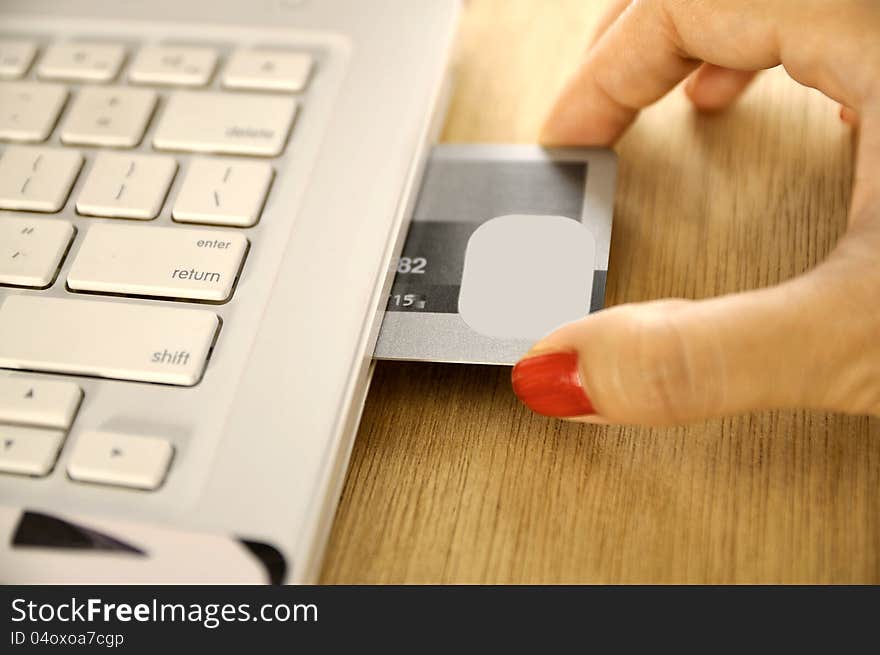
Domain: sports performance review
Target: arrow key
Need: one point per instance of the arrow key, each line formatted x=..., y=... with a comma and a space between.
x=28, y=451
x=36, y=402
x=120, y=459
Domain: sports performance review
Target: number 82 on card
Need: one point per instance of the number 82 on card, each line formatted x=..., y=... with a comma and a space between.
x=412, y=265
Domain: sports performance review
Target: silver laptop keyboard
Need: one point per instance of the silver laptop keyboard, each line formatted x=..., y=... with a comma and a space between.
x=125, y=118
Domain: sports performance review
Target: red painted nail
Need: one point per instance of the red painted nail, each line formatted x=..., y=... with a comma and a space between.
x=551, y=385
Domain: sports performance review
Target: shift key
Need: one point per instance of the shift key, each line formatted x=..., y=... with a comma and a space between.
x=159, y=262
x=101, y=338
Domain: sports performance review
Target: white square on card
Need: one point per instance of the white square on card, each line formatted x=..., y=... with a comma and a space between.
x=525, y=275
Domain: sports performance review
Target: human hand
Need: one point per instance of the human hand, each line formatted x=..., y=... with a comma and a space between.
x=813, y=341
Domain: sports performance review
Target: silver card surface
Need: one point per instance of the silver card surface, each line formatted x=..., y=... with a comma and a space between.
x=506, y=243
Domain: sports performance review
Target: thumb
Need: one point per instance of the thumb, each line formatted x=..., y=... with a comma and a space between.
x=673, y=361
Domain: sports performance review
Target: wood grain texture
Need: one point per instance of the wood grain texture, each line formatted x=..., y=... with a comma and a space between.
x=453, y=481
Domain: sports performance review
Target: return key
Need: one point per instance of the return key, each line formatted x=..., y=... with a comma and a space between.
x=158, y=262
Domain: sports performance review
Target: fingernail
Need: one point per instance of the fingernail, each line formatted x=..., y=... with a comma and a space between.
x=550, y=384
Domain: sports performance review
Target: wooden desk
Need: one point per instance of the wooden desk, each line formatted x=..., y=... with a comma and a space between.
x=453, y=481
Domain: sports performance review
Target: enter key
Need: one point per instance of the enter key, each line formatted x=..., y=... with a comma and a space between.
x=158, y=262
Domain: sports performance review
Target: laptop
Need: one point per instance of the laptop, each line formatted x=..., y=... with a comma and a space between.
x=200, y=204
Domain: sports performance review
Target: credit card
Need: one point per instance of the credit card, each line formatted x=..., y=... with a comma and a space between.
x=506, y=243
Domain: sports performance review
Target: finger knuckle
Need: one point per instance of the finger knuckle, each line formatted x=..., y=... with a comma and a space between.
x=846, y=350
x=664, y=374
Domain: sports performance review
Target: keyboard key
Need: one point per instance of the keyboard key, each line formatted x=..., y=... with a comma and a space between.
x=31, y=251
x=36, y=402
x=29, y=110
x=120, y=459
x=37, y=179
x=16, y=56
x=28, y=451
x=126, y=186
x=173, y=65
x=223, y=192
x=89, y=62
x=124, y=341
x=113, y=116
x=267, y=70
x=225, y=123
x=164, y=262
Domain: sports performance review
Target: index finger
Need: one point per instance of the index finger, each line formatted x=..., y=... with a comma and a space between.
x=655, y=44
